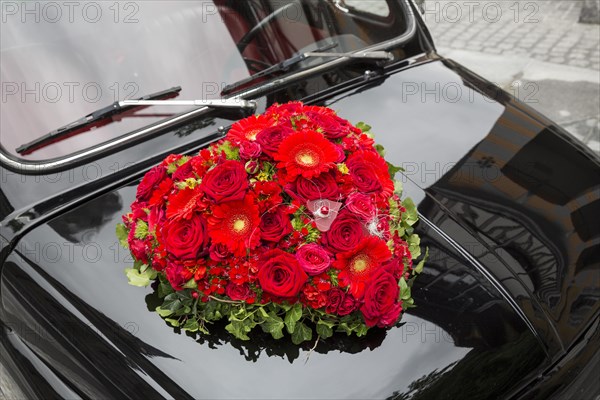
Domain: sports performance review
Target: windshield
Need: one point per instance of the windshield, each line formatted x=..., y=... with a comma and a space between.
x=63, y=60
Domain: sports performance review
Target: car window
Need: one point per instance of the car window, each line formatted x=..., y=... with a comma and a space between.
x=63, y=60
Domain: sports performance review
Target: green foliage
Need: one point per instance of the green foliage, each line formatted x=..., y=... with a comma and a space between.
x=292, y=316
x=363, y=127
x=138, y=278
x=171, y=168
x=392, y=169
x=301, y=333
x=122, y=233
x=421, y=264
x=231, y=152
x=381, y=151
x=413, y=245
x=141, y=230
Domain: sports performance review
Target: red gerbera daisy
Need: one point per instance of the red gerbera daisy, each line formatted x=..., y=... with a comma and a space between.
x=358, y=265
x=247, y=128
x=306, y=153
x=235, y=224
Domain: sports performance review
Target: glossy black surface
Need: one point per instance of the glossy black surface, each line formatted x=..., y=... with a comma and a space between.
x=507, y=305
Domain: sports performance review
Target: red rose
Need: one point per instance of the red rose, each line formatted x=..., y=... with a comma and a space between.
x=249, y=150
x=380, y=305
x=364, y=176
x=313, y=259
x=361, y=205
x=149, y=182
x=280, y=274
x=348, y=305
x=334, y=298
x=219, y=252
x=320, y=187
x=185, y=239
x=270, y=138
x=340, y=302
x=345, y=232
x=333, y=126
x=238, y=292
x=370, y=174
x=275, y=225
x=226, y=182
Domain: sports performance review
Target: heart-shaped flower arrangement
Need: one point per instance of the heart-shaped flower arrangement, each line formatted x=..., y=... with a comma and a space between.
x=291, y=222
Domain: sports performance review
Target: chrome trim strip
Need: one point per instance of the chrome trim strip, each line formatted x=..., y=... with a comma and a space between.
x=58, y=164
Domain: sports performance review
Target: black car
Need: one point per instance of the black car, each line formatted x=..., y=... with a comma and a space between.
x=507, y=305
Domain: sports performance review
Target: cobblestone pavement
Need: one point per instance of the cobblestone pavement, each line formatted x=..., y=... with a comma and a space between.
x=535, y=49
x=543, y=30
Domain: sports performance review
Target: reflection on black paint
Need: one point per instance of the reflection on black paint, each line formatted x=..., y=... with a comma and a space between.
x=77, y=226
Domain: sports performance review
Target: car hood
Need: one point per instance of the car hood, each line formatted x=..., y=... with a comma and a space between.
x=488, y=315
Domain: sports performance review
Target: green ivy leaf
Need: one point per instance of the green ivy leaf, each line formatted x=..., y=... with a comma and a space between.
x=363, y=127
x=172, y=303
x=380, y=149
x=361, y=330
x=419, y=268
x=191, y=284
x=392, y=169
x=164, y=289
x=238, y=329
x=191, y=325
x=301, y=333
x=163, y=313
x=292, y=316
x=274, y=326
x=404, y=290
x=324, y=330
x=141, y=279
x=174, y=322
x=122, y=234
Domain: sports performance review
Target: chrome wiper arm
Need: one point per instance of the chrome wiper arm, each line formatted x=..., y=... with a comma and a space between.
x=377, y=55
x=235, y=103
x=118, y=107
x=285, y=65
x=279, y=67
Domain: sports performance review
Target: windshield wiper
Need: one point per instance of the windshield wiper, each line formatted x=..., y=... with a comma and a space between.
x=285, y=65
x=75, y=127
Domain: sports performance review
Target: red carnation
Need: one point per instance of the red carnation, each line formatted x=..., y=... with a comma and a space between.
x=226, y=182
x=380, y=306
x=358, y=265
x=306, y=153
x=235, y=224
x=280, y=275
